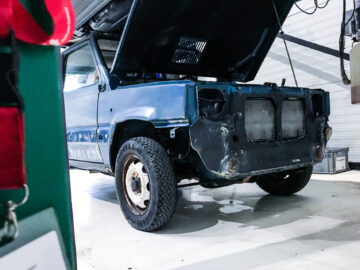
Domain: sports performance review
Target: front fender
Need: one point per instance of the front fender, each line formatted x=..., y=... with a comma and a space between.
x=163, y=104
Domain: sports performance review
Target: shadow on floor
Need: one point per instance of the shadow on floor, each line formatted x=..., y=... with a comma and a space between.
x=192, y=216
x=105, y=191
x=199, y=208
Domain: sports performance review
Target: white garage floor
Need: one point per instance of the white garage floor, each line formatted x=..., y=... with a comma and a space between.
x=237, y=227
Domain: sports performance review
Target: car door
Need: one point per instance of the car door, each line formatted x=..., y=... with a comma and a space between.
x=81, y=93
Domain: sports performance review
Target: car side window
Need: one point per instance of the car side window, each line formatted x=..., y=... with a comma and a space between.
x=80, y=69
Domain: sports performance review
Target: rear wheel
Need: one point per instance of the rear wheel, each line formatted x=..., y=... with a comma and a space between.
x=285, y=183
x=145, y=184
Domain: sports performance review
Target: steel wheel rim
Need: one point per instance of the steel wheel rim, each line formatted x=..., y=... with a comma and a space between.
x=136, y=185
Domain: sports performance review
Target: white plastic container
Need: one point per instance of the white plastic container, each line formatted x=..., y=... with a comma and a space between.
x=335, y=161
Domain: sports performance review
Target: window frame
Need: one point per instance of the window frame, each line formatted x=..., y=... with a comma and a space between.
x=73, y=49
x=101, y=56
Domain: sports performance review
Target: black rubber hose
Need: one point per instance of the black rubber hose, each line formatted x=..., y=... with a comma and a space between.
x=344, y=76
x=306, y=12
x=324, y=6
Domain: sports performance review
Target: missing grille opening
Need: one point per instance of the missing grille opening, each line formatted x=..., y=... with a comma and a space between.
x=259, y=120
x=293, y=119
x=211, y=102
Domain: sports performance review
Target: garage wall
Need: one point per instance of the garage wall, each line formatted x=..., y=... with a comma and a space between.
x=315, y=69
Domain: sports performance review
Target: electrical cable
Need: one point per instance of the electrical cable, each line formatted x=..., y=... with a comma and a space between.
x=286, y=47
x=316, y=7
x=352, y=15
x=324, y=6
x=306, y=12
x=345, y=79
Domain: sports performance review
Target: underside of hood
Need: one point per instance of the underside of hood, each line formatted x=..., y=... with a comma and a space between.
x=226, y=39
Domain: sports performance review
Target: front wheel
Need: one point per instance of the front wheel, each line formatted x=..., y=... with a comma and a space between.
x=145, y=184
x=285, y=183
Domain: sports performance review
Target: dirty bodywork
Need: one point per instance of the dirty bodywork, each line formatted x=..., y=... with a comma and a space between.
x=245, y=130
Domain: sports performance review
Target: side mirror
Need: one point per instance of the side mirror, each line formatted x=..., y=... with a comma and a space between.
x=102, y=87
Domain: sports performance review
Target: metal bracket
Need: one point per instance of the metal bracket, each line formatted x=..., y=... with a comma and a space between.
x=173, y=133
x=11, y=226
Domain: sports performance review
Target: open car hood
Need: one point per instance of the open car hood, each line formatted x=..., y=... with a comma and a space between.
x=86, y=9
x=226, y=39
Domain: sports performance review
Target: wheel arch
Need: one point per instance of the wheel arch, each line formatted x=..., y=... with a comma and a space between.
x=126, y=130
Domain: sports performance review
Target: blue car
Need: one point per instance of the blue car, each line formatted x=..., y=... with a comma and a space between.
x=140, y=104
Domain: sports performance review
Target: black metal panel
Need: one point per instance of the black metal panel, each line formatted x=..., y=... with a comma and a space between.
x=224, y=39
x=221, y=141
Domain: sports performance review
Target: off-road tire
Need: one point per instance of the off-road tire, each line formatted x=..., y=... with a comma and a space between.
x=285, y=183
x=162, y=184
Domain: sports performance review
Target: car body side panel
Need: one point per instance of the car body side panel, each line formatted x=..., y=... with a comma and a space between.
x=81, y=114
x=81, y=124
x=163, y=104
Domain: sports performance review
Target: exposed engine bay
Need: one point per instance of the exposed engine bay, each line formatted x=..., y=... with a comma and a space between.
x=251, y=130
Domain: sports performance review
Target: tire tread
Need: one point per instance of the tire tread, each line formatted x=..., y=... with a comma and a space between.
x=160, y=161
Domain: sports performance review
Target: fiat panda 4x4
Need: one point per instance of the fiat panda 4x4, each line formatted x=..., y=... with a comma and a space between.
x=137, y=107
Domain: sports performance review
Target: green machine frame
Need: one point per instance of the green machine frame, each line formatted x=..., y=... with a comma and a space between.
x=46, y=161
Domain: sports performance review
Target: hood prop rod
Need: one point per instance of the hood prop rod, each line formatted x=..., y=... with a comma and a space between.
x=286, y=47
